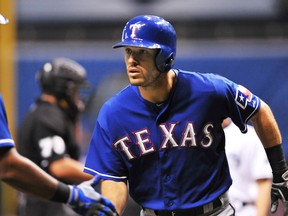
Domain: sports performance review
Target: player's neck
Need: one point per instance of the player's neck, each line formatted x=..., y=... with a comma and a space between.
x=48, y=98
x=159, y=93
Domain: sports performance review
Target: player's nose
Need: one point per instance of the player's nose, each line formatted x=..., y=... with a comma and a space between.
x=133, y=59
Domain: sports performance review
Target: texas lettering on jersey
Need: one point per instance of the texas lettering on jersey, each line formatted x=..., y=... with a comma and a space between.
x=145, y=145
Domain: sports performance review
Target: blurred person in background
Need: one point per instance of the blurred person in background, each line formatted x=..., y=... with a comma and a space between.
x=25, y=176
x=48, y=133
x=250, y=171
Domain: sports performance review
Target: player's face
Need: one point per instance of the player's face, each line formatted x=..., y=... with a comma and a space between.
x=140, y=66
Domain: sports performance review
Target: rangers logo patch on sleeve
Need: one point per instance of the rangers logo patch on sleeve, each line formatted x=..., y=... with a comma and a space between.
x=243, y=97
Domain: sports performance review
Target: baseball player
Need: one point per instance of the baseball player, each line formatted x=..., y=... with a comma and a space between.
x=162, y=138
x=250, y=191
x=22, y=174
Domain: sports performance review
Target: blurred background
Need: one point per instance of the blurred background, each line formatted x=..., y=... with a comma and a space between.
x=246, y=41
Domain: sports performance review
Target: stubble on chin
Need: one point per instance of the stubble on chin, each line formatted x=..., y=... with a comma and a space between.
x=134, y=82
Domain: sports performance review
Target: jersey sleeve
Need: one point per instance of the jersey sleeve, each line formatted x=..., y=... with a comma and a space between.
x=5, y=136
x=102, y=158
x=242, y=104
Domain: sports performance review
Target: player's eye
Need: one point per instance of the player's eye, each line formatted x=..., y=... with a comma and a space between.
x=128, y=51
x=143, y=52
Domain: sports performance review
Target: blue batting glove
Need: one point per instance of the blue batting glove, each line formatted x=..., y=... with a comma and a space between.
x=86, y=201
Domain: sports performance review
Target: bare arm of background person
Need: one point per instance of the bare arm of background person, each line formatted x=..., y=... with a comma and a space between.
x=116, y=192
x=69, y=170
x=263, y=199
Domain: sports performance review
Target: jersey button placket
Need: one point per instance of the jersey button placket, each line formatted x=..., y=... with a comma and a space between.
x=170, y=203
x=167, y=178
x=168, y=191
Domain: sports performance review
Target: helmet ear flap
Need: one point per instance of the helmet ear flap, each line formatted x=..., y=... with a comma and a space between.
x=164, y=65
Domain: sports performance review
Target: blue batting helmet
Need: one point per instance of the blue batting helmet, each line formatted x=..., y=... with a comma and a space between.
x=151, y=32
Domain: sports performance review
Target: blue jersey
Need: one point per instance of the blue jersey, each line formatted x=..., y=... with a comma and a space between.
x=172, y=154
x=5, y=136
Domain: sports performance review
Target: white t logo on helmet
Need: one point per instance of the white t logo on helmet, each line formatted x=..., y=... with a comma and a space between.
x=135, y=27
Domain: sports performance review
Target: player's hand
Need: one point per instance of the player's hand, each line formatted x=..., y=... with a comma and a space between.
x=84, y=198
x=279, y=191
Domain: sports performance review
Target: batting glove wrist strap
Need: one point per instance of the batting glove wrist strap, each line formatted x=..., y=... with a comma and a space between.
x=85, y=200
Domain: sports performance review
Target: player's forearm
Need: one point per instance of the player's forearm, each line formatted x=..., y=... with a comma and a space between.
x=117, y=193
x=267, y=129
x=266, y=126
x=27, y=177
